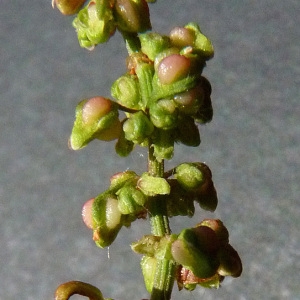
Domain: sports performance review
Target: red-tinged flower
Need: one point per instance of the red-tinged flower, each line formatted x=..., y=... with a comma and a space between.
x=68, y=7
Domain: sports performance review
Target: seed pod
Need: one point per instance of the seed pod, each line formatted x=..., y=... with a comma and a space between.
x=219, y=228
x=207, y=239
x=230, y=262
x=68, y=7
x=132, y=15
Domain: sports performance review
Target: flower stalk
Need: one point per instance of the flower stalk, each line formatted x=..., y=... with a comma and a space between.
x=164, y=98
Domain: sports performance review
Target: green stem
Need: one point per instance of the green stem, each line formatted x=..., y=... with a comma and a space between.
x=164, y=277
x=132, y=41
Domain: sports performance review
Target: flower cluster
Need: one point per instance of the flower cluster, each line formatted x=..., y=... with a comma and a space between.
x=127, y=199
x=163, y=94
x=202, y=254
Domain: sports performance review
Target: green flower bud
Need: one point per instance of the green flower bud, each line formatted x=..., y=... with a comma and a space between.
x=148, y=265
x=94, y=24
x=152, y=186
x=185, y=254
x=230, y=262
x=68, y=7
x=127, y=92
x=130, y=200
x=164, y=114
x=107, y=219
x=119, y=179
x=153, y=43
x=173, y=68
x=188, y=132
x=137, y=128
x=190, y=176
x=163, y=144
x=123, y=147
x=132, y=15
x=95, y=118
x=202, y=44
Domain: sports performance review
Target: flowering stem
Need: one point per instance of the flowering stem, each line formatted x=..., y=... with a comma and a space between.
x=165, y=269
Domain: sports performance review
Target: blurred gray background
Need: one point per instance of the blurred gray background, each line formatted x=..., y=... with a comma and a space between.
x=252, y=146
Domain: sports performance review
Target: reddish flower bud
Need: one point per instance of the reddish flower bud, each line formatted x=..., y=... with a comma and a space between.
x=173, y=68
x=132, y=15
x=219, y=228
x=182, y=37
x=207, y=239
x=230, y=262
x=95, y=108
x=68, y=7
x=87, y=213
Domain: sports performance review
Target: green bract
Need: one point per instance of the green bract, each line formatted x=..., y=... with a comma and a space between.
x=185, y=251
x=137, y=127
x=152, y=44
x=202, y=44
x=127, y=91
x=130, y=200
x=152, y=186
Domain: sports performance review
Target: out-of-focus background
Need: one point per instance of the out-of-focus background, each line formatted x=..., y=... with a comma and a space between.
x=252, y=147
